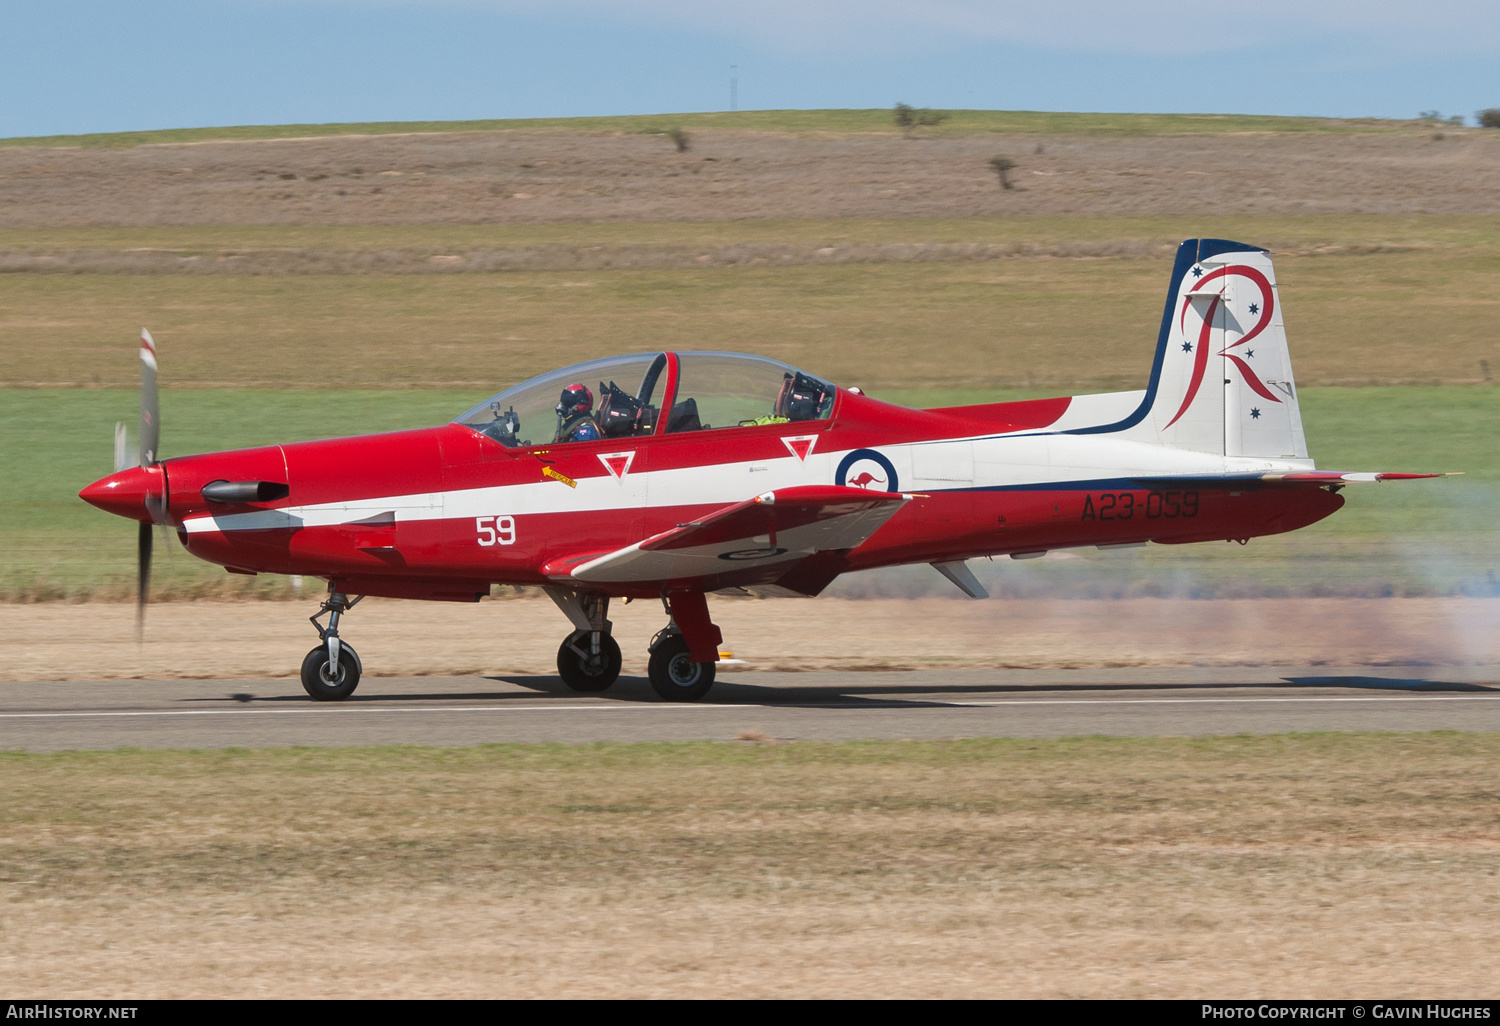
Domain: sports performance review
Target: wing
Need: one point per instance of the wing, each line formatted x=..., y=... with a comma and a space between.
x=756, y=540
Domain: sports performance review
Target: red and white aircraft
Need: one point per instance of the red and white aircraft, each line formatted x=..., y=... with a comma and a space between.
x=701, y=472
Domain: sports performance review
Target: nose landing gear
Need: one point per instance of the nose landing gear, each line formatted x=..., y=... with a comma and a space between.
x=589, y=659
x=330, y=672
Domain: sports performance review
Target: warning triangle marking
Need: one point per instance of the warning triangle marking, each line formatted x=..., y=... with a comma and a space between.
x=617, y=463
x=801, y=446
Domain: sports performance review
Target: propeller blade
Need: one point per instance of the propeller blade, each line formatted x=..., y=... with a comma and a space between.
x=122, y=444
x=150, y=436
x=143, y=584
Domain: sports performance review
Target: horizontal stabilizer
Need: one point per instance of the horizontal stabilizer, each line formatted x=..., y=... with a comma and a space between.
x=777, y=529
x=1363, y=477
x=1305, y=477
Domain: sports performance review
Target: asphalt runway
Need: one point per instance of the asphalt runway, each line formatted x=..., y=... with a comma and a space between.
x=833, y=706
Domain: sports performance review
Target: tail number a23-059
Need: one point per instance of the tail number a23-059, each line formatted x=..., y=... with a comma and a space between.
x=496, y=530
x=1127, y=505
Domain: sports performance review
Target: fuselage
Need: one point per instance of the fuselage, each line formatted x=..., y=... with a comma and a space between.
x=444, y=513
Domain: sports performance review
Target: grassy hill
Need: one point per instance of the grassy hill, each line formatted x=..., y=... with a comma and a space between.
x=957, y=122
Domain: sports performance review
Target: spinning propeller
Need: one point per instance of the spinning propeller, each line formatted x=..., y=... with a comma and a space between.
x=138, y=492
x=155, y=498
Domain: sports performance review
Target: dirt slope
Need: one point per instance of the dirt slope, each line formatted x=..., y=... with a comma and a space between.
x=510, y=177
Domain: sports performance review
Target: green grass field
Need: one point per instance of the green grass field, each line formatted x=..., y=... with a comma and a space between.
x=958, y=122
x=1416, y=538
x=1366, y=302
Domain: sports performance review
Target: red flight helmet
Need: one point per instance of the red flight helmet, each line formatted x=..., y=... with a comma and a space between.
x=575, y=398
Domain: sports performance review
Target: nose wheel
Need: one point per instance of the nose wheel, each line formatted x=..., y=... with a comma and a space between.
x=330, y=672
x=327, y=682
x=589, y=660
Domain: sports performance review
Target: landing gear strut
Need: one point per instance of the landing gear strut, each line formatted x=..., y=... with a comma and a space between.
x=589, y=659
x=330, y=672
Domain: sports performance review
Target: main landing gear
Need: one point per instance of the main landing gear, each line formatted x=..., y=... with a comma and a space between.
x=674, y=675
x=684, y=653
x=681, y=668
x=330, y=672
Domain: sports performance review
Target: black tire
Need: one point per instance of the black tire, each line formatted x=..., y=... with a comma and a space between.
x=588, y=672
x=674, y=675
x=326, y=687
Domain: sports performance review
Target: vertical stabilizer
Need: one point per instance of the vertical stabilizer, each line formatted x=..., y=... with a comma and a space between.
x=1223, y=377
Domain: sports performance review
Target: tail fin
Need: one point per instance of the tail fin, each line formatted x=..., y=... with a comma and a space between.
x=1222, y=379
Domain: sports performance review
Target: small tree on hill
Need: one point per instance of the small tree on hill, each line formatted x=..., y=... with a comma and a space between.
x=680, y=138
x=1003, y=167
x=909, y=119
x=1489, y=118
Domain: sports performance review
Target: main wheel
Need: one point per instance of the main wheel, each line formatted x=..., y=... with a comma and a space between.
x=324, y=685
x=674, y=675
x=581, y=669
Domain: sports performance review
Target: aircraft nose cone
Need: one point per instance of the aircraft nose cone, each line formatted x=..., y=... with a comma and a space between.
x=125, y=493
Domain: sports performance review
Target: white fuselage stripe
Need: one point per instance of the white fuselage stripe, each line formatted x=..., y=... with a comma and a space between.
x=984, y=462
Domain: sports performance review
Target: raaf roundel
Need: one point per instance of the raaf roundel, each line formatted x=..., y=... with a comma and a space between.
x=707, y=472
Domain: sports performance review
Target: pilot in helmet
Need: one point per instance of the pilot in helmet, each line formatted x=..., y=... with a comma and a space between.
x=803, y=397
x=575, y=421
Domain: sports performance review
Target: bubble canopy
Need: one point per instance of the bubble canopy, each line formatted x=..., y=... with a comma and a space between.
x=698, y=391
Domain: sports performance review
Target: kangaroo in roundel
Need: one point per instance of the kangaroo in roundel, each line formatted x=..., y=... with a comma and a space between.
x=865, y=479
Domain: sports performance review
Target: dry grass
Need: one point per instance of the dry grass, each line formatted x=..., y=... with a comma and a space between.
x=57, y=641
x=1058, y=235
x=1420, y=316
x=434, y=260
x=1313, y=866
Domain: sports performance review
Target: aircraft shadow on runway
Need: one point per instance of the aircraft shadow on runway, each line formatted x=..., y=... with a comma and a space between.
x=885, y=695
x=873, y=696
x=1386, y=683
x=637, y=689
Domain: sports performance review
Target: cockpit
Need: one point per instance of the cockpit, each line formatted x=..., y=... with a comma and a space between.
x=651, y=394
